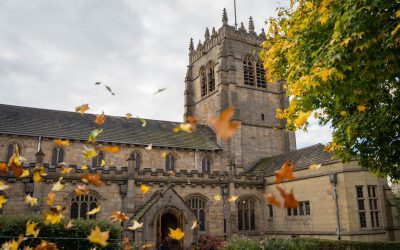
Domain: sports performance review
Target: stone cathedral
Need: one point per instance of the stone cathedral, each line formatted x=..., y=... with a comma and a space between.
x=337, y=201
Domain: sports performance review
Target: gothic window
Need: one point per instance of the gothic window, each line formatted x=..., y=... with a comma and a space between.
x=211, y=77
x=169, y=162
x=198, y=206
x=246, y=214
x=203, y=80
x=58, y=156
x=96, y=161
x=261, y=81
x=82, y=204
x=11, y=149
x=248, y=71
x=206, y=164
x=135, y=160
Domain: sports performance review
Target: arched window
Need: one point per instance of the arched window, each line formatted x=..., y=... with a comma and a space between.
x=261, y=81
x=11, y=149
x=198, y=206
x=58, y=156
x=211, y=77
x=135, y=160
x=96, y=161
x=203, y=80
x=206, y=164
x=246, y=214
x=82, y=204
x=248, y=71
x=169, y=162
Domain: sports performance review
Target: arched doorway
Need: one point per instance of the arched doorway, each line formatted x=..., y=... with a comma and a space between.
x=168, y=220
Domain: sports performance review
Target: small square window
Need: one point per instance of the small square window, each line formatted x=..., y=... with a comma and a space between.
x=262, y=117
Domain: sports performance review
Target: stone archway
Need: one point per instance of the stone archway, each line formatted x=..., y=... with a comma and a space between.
x=170, y=218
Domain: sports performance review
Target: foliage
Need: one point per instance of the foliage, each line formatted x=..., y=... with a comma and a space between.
x=340, y=60
x=209, y=243
x=241, y=243
x=13, y=226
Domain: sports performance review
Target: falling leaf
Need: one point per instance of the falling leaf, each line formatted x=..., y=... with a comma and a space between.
x=272, y=200
x=81, y=190
x=148, y=245
x=94, y=211
x=93, y=134
x=361, y=108
x=69, y=225
x=187, y=127
x=109, y=90
x=343, y=113
x=45, y=245
x=171, y=173
x=30, y=200
x=136, y=225
x=53, y=216
x=66, y=170
x=217, y=197
x=93, y=179
x=13, y=244
x=38, y=173
x=159, y=91
x=194, y=224
x=288, y=198
x=99, y=237
x=144, y=188
x=284, y=173
x=100, y=119
x=142, y=121
x=3, y=186
x=50, y=198
x=118, y=216
x=315, y=166
x=176, y=234
x=3, y=168
x=61, y=142
x=30, y=229
x=103, y=163
x=223, y=125
x=25, y=173
x=58, y=186
x=97, y=83
x=89, y=153
x=82, y=109
x=2, y=200
x=16, y=162
x=233, y=198
x=111, y=149
x=149, y=147
x=84, y=167
x=128, y=116
x=164, y=154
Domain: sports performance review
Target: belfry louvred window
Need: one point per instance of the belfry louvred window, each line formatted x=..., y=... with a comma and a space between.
x=211, y=77
x=260, y=71
x=203, y=80
x=248, y=71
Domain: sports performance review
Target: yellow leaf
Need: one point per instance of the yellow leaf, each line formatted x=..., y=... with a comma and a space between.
x=142, y=121
x=99, y=237
x=13, y=244
x=30, y=200
x=45, y=245
x=81, y=190
x=94, y=211
x=309, y=5
x=148, y=245
x=343, y=113
x=361, y=108
x=398, y=14
x=69, y=225
x=223, y=125
x=50, y=198
x=176, y=234
x=100, y=119
x=65, y=170
x=2, y=200
x=84, y=167
x=144, y=188
x=118, y=216
x=314, y=166
x=82, y=109
x=112, y=149
x=164, y=154
x=233, y=198
x=302, y=118
x=38, y=172
x=30, y=229
x=103, y=163
x=25, y=173
x=3, y=186
x=194, y=224
x=93, y=134
x=61, y=142
x=58, y=186
x=324, y=19
x=53, y=216
x=128, y=115
x=89, y=153
x=136, y=225
x=217, y=197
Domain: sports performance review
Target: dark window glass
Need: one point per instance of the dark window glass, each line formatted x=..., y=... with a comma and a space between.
x=359, y=192
x=377, y=218
x=289, y=212
x=261, y=81
x=301, y=208
x=246, y=214
x=57, y=156
x=262, y=117
x=211, y=78
x=248, y=72
x=271, y=210
x=308, y=209
x=295, y=212
x=169, y=162
x=206, y=164
x=361, y=205
x=82, y=204
x=363, y=221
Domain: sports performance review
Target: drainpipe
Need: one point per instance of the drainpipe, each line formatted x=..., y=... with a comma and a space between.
x=333, y=181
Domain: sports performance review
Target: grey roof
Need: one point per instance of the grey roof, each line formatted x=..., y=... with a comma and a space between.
x=16, y=120
x=303, y=158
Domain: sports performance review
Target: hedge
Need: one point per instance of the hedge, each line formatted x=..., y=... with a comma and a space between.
x=74, y=238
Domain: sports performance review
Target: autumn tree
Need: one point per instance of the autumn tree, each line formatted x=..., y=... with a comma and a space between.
x=340, y=60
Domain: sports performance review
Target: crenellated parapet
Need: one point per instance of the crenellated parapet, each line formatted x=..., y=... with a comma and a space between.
x=225, y=32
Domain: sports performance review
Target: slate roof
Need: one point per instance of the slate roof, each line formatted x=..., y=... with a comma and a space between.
x=303, y=158
x=16, y=120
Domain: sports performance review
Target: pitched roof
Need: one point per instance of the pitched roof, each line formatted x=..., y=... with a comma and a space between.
x=16, y=120
x=303, y=158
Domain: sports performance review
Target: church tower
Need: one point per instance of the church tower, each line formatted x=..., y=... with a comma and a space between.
x=224, y=70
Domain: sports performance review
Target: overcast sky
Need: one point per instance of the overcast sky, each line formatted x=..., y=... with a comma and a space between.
x=52, y=53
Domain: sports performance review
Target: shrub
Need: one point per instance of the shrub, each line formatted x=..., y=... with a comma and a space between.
x=241, y=243
x=209, y=243
x=73, y=238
